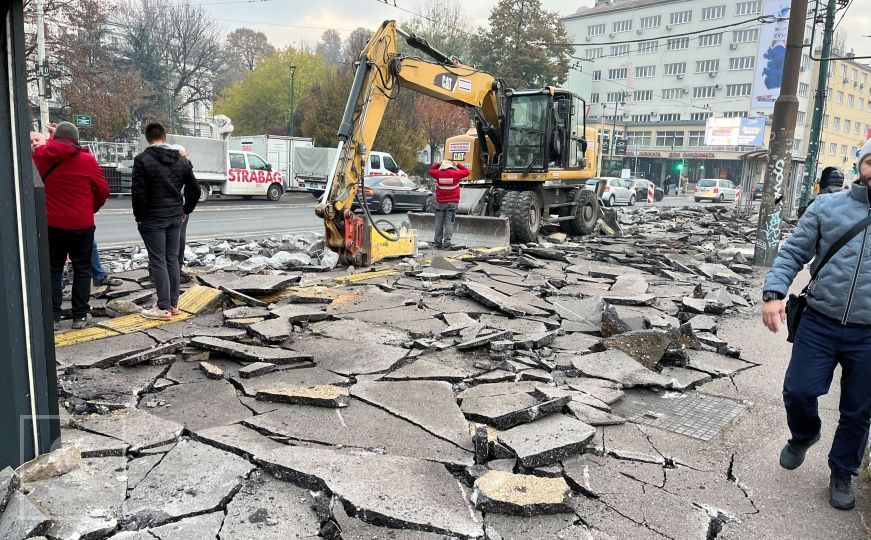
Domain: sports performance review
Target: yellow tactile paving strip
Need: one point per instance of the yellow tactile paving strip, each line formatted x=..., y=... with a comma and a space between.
x=80, y=336
x=365, y=276
x=134, y=323
x=197, y=298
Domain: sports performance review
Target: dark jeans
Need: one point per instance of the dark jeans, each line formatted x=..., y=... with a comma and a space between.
x=98, y=273
x=77, y=245
x=161, y=240
x=820, y=345
x=182, y=239
x=444, y=222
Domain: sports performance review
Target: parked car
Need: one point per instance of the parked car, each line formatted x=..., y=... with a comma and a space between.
x=617, y=190
x=715, y=190
x=386, y=194
x=757, y=191
x=641, y=184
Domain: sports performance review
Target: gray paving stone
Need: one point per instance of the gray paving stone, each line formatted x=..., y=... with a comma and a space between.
x=547, y=440
x=291, y=378
x=271, y=330
x=518, y=494
x=202, y=526
x=85, y=502
x=428, y=404
x=402, y=492
x=139, y=429
x=102, y=352
x=360, y=425
x=193, y=478
x=23, y=519
x=269, y=509
x=237, y=439
x=111, y=388
x=619, y=367
x=201, y=405
x=251, y=353
x=645, y=346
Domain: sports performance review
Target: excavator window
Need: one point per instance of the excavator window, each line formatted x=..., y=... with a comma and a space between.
x=527, y=137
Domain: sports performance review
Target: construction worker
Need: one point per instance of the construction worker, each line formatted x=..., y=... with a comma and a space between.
x=447, y=175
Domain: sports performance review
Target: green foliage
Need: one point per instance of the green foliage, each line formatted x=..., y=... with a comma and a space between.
x=260, y=102
x=525, y=45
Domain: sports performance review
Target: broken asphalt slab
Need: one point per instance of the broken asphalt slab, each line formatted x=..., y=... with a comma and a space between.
x=619, y=367
x=549, y=439
x=251, y=353
x=507, y=493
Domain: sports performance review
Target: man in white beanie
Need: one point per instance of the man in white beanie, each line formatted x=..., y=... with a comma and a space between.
x=835, y=328
x=447, y=175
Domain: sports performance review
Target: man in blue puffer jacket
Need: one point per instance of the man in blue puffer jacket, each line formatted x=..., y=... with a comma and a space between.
x=835, y=329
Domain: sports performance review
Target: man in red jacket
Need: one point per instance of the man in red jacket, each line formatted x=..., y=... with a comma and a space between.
x=447, y=175
x=75, y=189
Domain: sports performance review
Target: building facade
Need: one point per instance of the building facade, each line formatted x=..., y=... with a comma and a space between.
x=654, y=71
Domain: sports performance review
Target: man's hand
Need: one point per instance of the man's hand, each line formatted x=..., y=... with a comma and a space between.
x=51, y=127
x=184, y=217
x=774, y=314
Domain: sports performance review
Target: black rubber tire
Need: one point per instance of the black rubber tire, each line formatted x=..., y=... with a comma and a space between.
x=586, y=217
x=247, y=197
x=205, y=191
x=611, y=201
x=274, y=192
x=658, y=195
x=632, y=200
x=524, y=215
x=698, y=200
x=430, y=205
x=386, y=205
x=721, y=198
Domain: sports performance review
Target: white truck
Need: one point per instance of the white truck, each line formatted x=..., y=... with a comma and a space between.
x=279, y=151
x=221, y=170
x=312, y=166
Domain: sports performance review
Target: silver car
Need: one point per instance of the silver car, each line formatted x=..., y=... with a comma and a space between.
x=617, y=190
x=715, y=190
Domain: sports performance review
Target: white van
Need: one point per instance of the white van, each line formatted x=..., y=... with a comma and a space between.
x=383, y=164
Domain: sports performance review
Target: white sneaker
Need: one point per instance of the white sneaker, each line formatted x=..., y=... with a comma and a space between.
x=157, y=314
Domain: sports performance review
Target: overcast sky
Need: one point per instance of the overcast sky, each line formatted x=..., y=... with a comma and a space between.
x=288, y=22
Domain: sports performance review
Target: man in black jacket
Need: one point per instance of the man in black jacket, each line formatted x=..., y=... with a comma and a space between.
x=159, y=174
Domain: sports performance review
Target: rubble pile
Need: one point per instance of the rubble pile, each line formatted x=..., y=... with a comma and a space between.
x=485, y=396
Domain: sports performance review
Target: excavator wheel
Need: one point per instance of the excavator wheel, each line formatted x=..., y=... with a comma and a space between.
x=524, y=215
x=587, y=215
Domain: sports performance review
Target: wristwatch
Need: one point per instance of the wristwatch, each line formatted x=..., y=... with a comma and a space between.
x=767, y=296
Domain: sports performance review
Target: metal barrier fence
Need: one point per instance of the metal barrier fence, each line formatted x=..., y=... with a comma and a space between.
x=112, y=153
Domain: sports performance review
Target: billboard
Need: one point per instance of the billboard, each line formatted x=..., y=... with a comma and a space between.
x=771, y=56
x=735, y=132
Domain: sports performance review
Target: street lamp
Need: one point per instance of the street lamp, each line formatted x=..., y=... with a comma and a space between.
x=290, y=128
x=622, y=102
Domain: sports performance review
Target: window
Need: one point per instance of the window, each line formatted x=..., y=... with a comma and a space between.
x=800, y=117
x=614, y=97
x=735, y=114
x=833, y=149
x=597, y=75
x=677, y=44
x=647, y=47
x=638, y=118
x=861, y=104
x=390, y=165
x=805, y=62
x=670, y=117
x=843, y=149
x=836, y=123
x=854, y=75
x=864, y=78
x=671, y=93
x=843, y=71
x=594, y=98
x=737, y=90
x=638, y=138
x=804, y=89
x=696, y=138
x=651, y=22
x=592, y=54
x=618, y=73
x=669, y=138
x=643, y=72
x=642, y=95
x=681, y=17
x=701, y=115
x=595, y=30
x=620, y=50
x=851, y=101
x=710, y=40
x=375, y=161
x=622, y=26
x=840, y=97
x=707, y=66
x=256, y=164
x=711, y=13
x=747, y=8
x=742, y=63
x=857, y=127
x=676, y=69
x=847, y=125
x=797, y=143
x=745, y=36
x=237, y=161
x=826, y=121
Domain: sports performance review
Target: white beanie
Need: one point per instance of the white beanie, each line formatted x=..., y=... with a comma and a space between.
x=864, y=152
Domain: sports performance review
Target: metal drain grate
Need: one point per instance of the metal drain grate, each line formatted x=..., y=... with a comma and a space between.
x=695, y=415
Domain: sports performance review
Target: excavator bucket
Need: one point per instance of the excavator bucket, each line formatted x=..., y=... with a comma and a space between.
x=469, y=231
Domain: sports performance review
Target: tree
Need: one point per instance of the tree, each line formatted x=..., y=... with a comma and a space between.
x=330, y=47
x=260, y=102
x=355, y=43
x=525, y=45
x=443, y=24
x=438, y=121
x=250, y=46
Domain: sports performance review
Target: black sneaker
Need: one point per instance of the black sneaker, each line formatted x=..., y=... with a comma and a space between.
x=792, y=455
x=83, y=322
x=108, y=281
x=184, y=277
x=841, y=492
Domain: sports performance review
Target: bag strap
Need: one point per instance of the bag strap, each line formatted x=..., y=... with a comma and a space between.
x=842, y=241
x=50, y=170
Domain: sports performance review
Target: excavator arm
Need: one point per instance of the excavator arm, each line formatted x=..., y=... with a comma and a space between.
x=380, y=73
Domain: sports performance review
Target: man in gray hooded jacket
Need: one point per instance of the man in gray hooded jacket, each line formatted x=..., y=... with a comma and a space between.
x=835, y=329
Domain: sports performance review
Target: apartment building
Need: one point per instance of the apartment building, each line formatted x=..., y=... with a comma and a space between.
x=654, y=71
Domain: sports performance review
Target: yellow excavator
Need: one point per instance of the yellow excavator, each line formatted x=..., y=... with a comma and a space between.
x=529, y=153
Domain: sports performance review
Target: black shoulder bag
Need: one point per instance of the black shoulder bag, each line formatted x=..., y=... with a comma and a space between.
x=797, y=303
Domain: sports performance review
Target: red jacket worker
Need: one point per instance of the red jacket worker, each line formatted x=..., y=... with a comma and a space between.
x=447, y=175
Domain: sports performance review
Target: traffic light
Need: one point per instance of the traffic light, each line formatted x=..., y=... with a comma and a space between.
x=855, y=170
x=678, y=167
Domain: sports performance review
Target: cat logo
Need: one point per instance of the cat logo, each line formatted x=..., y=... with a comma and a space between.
x=445, y=81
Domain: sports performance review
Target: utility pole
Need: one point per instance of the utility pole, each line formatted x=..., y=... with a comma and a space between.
x=614, y=130
x=290, y=128
x=41, y=66
x=813, y=149
x=780, y=145
x=599, y=156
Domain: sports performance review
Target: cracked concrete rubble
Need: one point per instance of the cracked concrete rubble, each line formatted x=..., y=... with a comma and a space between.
x=481, y=397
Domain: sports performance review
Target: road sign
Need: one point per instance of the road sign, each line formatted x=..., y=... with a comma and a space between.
x=42, y=71
x=625, y=173
x=83, y=120
x=620, y=147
